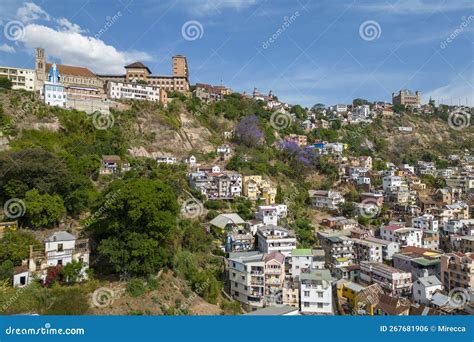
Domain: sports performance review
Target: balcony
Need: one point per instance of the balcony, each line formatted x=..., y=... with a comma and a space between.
x=273, y=271
x=256, y=282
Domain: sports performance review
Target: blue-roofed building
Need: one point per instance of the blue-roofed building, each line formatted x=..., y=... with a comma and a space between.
x=54, y=93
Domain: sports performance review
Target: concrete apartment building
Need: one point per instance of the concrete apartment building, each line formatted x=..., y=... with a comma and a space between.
x=316, y=292
x=275, y=239
x=247, y=279
x=274, y=277
x=139, y=72
x=304, y=260
x=389, y=248
x=21, y=78
x=425, y=222
x=136, y=91
x=339, y=250
x=403, y=236
x=367, y=251
x=406, y=97
x=457, y=270
x=258, y=280
x=396, y=282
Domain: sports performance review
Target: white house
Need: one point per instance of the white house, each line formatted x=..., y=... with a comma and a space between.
x=389, y=248
x=316, y=292
x=272, y=238
x=325, y=199
x=305, y=259
x=402, y=235
x=390, y=182
x=425, y=222
x=133, y=91
x=60, y=249
x=368, y=250
x=165, y=159
x=424, y=288
x=271, y=214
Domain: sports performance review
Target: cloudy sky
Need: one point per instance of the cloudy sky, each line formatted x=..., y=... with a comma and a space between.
x=307, y=52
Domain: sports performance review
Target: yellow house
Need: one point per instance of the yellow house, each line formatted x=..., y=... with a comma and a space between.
x=255, y=187
x=363, y=300
x=269, y=194
x=349, y=291
x=250, y=187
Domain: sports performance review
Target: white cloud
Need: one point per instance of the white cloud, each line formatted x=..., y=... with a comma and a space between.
x=7, y=48
x=31, y=12
x=75, y=48
x=66, y=25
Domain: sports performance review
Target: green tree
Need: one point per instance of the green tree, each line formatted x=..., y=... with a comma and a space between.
x=15, y=246
x=348, y=209
x=72, y=272
x=304, y=232
x=43, y=210
x=135, y=230
x=6, y=270
x=5, y=83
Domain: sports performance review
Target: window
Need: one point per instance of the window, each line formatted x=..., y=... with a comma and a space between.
x=60, y=261
x=306, y=293
x=60, y=247
x=320, y=295
x=320, y=305
x=306, y=304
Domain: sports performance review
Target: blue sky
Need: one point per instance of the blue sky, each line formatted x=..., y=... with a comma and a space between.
x=322, y=54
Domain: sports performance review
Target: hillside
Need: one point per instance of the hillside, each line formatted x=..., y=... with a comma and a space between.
x=134, y=220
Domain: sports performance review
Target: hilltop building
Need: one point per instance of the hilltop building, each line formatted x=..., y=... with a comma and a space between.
x=79, y=82
x=406, y=97
x=139, y=73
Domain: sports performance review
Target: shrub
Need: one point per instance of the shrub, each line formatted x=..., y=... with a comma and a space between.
x=136, y=287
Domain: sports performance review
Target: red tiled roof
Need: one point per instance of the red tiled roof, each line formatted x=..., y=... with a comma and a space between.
x=72, y=70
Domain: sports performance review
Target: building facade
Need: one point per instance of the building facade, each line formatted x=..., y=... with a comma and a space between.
x=406, y=97
x=21, y=78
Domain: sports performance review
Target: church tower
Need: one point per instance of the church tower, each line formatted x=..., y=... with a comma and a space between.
x=40, y=68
